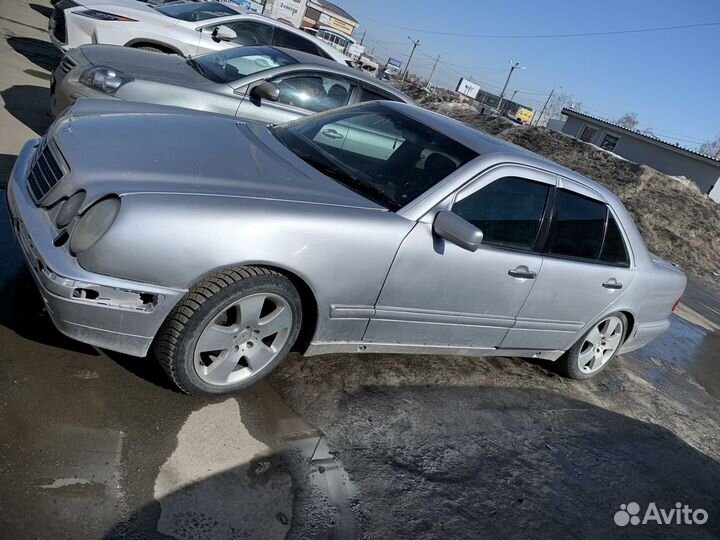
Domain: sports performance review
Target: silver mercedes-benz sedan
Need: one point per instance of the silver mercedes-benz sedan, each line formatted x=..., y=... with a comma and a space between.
x=266, y=84
x=382, y=227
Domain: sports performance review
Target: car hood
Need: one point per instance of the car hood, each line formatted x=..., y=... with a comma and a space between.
x=145, y=65
x=128, y=148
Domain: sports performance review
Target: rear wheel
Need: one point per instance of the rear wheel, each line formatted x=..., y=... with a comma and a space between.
x=230, y=331
x=594, y=351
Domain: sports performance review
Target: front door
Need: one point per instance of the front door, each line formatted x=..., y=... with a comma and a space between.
x=586, y=268
x=301, y=93
x=438, y=294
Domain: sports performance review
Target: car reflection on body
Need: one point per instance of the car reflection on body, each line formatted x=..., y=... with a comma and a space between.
x=381, y=227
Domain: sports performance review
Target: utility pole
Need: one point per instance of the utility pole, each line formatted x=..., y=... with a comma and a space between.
x=513, y=96
x=513, y=67
x=433, y=71
x=407, y=66
x=363, y=38
x=537, y=121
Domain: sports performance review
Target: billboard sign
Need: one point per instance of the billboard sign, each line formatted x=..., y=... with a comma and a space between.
x=468, y=88
x=397, y=64
x=291, y=11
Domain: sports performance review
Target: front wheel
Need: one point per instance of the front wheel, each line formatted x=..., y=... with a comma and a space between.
x=230, y=331
x=594, y=351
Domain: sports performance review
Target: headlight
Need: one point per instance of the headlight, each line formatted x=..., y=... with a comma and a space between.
x=103, y=78
x=103, y=16
x=94, y=223
x=69, y=209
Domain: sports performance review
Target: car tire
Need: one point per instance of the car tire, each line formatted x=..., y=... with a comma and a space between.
x=594, y=351
x=225, y=321
x=151, y=49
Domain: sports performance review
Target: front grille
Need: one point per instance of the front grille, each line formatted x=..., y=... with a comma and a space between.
x=58, y=19
x=45, y=171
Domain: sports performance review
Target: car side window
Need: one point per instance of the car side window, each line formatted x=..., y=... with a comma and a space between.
x=578, y=226
x=614, y=250
x=313, y=91
x=286, y=39
x=508, y=211
x=370, y=95
x=248, y=32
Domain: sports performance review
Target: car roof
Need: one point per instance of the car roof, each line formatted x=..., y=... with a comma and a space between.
x=485, y=144
x=327, y=48
x=311, y=60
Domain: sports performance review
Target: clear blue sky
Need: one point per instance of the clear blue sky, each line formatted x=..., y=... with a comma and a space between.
x=670, y=78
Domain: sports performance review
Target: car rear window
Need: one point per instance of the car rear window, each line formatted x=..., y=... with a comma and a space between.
x=578, y=226
x=614, y=250
x=200, y=11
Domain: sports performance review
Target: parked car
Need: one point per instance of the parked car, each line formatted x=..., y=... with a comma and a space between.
x=267, y=84
x=184, y=28
x=380, y=227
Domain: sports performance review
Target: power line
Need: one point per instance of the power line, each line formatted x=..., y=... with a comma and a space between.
x=550, y=36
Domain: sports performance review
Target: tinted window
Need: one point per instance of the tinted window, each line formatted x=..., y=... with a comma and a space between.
x=194, y=12
x=508, y=211
x=369, y=95
x=613, y=250
x=313, y=91
x=283, y=38
x=578, y=226
x=233, y=64
x=383, y=154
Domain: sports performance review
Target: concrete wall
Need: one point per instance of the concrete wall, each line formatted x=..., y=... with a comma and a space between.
x=639, y=150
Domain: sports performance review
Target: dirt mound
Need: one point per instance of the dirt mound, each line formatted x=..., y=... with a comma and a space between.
x=469, y=115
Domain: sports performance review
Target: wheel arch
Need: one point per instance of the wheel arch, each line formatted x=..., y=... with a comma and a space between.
x=308, y=297
x=139, y=42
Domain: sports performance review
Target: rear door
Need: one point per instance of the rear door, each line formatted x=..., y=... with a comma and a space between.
x=587, y=266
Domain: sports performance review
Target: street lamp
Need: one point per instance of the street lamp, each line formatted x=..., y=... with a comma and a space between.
x=513, y=67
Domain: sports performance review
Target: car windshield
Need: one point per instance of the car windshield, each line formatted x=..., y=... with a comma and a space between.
x=376, y=151
x=194, y=12
x=233, y=64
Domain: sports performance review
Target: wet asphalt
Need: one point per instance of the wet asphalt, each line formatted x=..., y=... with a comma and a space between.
x=95, y=444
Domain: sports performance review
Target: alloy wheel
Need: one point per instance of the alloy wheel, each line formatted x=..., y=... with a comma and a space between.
x=600, y=344
x=243, y=339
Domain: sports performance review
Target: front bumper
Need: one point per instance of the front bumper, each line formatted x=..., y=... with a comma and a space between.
x=100, y=310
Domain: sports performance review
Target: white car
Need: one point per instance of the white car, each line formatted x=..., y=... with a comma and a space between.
x=186, y=28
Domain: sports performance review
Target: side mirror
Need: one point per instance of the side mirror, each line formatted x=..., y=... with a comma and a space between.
x=265, y=90
x=224, y=33
x=455, y=229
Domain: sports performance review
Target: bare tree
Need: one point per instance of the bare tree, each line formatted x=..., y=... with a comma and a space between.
x=628, y=120
x=711, y=148
x=555, y=106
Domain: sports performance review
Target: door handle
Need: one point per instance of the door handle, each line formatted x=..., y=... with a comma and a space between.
x=522, y=272
x=332, y=134
x=612, y=284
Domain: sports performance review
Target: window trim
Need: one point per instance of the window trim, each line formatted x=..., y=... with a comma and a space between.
x=608, y=212
x=583, y=127
x=602, y=140
x=540, y=245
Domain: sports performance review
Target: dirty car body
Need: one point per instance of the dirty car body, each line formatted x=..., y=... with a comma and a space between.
x=225, y=82
x=471, y=250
